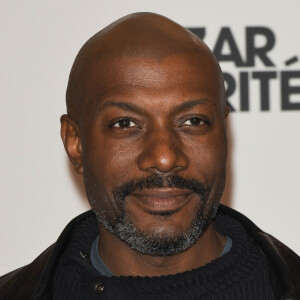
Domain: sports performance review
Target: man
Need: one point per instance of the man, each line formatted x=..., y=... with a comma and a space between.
x=146, y=127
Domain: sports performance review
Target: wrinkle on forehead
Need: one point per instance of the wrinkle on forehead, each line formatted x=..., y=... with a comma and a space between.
x=140, y=35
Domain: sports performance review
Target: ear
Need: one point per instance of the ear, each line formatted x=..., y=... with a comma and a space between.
x=226, y=111
x=71, y=138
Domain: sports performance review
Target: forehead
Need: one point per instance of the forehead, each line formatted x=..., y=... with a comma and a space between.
x=119, y=76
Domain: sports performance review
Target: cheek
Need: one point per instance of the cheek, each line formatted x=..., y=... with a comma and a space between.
x=208, y=157
x=110, y=161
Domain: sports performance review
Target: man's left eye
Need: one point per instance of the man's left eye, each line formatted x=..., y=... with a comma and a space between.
x=194, y=122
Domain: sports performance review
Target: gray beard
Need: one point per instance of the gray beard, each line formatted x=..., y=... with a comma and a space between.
x=156, y=244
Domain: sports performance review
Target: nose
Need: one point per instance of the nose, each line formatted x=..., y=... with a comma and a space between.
x=162, y=152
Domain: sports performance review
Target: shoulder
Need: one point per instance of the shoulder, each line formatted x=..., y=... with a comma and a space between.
x=34, y=281
x=284, y=263
x=23, y=282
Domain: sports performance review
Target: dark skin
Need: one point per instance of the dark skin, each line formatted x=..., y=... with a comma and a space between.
x=152, y=110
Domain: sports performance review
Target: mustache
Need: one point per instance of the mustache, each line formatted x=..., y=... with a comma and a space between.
x=160, y=181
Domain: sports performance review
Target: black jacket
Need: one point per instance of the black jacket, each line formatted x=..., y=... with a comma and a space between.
x=34, y=281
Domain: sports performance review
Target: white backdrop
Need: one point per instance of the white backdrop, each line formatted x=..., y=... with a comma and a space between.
x=39, y=40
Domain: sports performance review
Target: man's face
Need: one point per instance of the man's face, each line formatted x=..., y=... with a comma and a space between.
x=154, y=149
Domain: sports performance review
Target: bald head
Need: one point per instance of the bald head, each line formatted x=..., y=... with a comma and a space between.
x=139, y=35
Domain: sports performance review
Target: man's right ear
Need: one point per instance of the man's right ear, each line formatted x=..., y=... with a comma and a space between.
x=70, y=136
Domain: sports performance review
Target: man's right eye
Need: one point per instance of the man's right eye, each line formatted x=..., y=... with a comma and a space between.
x=123, y=124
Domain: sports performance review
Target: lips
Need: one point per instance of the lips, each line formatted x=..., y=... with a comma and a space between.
x=162, y=201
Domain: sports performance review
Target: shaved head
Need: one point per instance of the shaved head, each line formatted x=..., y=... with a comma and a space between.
x=139, y=35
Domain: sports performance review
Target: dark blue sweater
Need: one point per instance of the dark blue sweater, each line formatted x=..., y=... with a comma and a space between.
x=243, y=273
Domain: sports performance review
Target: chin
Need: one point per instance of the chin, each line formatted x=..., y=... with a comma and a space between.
x=161, y=239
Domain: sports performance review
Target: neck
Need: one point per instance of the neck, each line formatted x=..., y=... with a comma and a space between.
x=124, y=261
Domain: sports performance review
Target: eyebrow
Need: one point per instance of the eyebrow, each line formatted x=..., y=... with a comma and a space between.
x=124, y=105
x=137, y=109
x=189, y=104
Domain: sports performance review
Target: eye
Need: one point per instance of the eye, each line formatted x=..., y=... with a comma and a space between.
x=194, y=122
x=124, y=123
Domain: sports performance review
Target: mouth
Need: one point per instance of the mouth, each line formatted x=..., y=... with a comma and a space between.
x=164, y=201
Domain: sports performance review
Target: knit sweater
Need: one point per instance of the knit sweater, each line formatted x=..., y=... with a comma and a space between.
x=243, y=273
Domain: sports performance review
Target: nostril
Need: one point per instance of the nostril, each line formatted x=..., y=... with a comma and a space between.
x=157, y=171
